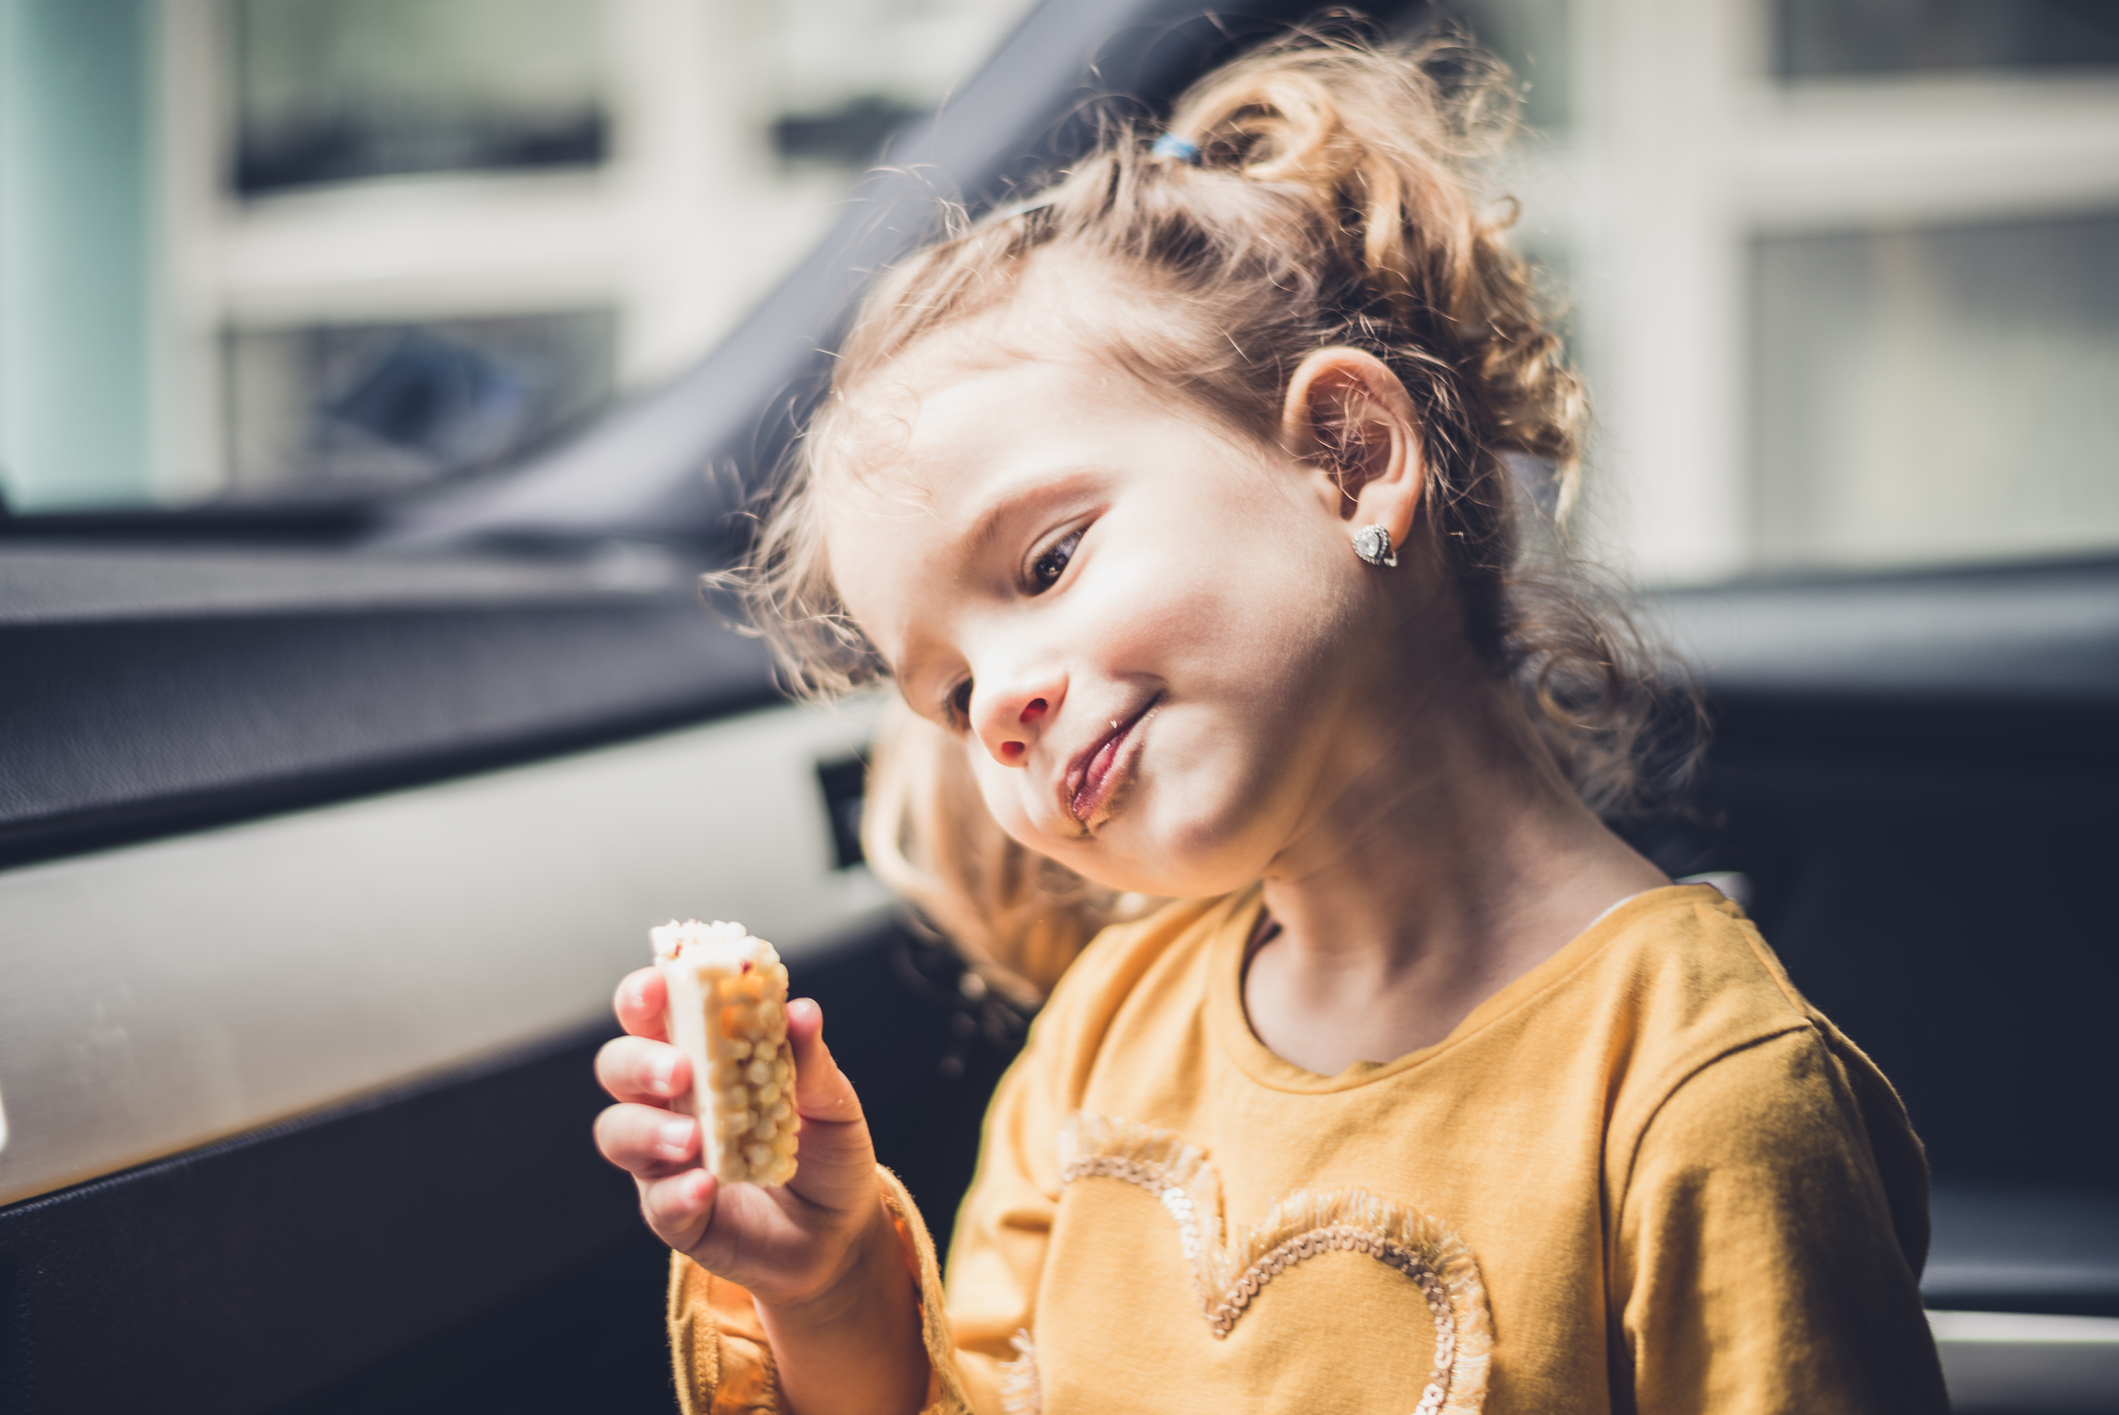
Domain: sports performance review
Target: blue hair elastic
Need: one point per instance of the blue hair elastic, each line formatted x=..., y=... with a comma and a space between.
x=1183, y=149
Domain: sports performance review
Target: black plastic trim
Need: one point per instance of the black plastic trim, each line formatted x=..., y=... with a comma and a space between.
x=130, y=726
x=2024, y=1247
x=1908, y=729
x=240, y=1275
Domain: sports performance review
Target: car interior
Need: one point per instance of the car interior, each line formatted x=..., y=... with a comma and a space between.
x=333, y=806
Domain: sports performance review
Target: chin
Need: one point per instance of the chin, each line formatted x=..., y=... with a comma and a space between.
x=1191, y=859
x=1195, y=832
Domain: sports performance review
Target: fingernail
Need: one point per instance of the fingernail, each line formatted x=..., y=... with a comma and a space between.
x=664, y=1074
x=676, y=1138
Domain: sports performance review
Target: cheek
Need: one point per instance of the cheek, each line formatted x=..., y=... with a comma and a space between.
x=1246, y=617
x=1001, y=788
x=1153, y=594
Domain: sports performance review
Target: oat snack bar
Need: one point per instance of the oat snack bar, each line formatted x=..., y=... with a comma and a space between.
x=728, y=1013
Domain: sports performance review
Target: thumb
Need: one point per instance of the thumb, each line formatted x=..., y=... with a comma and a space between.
x=835, y=1159
x=822, y=1091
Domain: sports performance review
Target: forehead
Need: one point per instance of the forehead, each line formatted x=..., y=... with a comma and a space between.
x=1051, y=343
x=953, y=401
x=923, y=453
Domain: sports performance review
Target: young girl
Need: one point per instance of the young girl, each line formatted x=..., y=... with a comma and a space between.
x=1187, y=507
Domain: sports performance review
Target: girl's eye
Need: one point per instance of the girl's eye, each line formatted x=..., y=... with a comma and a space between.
x=1049, y=566
x=960, y=701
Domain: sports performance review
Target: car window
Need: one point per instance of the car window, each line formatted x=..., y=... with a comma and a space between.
x=272, y=250
x=1844, y=278
x=1843, y=274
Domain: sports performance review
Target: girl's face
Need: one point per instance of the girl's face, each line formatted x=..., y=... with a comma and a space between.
x=1149, y=633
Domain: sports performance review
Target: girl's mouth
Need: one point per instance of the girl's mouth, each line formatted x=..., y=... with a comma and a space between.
x=1096, y=775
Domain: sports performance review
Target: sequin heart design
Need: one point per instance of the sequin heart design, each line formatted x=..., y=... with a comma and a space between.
x=1297, y=1227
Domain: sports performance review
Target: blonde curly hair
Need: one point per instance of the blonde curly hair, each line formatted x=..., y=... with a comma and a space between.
x=1330, y=197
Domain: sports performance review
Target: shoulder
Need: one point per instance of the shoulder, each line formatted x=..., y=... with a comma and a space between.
x=1699, y=992
x=1799, y=1121
x=1116, y=961
x=1685, y=979
x=1780, y=1100
x=1723, y=1068
x=1790, y=1133
x=1703, y=956
x=1701, y=1020
x=1121, y=964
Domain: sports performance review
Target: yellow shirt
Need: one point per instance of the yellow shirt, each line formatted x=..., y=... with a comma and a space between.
x=1645, y=1176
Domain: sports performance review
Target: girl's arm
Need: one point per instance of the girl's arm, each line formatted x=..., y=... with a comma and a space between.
x=1761, y=1262
x=820, y=1257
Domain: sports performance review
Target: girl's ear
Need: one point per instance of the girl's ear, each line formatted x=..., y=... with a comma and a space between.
x=1349, y=416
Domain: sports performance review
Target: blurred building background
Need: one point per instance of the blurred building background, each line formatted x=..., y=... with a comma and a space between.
x=1844, y=273
x=272, y=248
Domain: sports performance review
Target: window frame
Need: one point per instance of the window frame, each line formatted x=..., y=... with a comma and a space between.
x=1684, y=148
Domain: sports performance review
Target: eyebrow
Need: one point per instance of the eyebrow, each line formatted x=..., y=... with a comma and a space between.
x=1010, y=500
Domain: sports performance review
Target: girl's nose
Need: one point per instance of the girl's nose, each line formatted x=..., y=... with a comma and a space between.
x=1009, y=722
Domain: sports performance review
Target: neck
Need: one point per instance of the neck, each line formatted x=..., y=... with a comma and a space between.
x=1450, y=862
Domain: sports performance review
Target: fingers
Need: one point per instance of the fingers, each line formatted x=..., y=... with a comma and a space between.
x=645, y=1141
x=641, y=1000
x=636, y=1069
x=680, y=1207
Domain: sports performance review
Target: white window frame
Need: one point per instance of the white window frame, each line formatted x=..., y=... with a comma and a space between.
x=648, y=234
x=1683, y=148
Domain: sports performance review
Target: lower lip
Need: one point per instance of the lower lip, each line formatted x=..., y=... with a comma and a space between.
x=1103, y=771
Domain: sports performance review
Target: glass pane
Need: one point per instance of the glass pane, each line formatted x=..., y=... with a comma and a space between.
x=1826, y=37
x=1532, y=38
x=840, y=76
x=76, y=299
x=1936, y=394
x=319, y=410
x=320, y=248
x=328, y=90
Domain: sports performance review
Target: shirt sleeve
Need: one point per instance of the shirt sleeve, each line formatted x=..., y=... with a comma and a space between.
x=997, y=1253
x=718, y=1346
x=1758, y=1265
x=978, y=1344
x=724, y=1366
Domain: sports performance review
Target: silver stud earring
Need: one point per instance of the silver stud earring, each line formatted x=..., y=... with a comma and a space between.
x=1373, y=544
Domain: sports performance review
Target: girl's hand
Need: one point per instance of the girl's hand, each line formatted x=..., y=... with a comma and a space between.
x=789, y=1246
x=820, y=1256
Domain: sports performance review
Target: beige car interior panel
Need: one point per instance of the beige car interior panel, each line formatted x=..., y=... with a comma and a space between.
x=164, y=995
